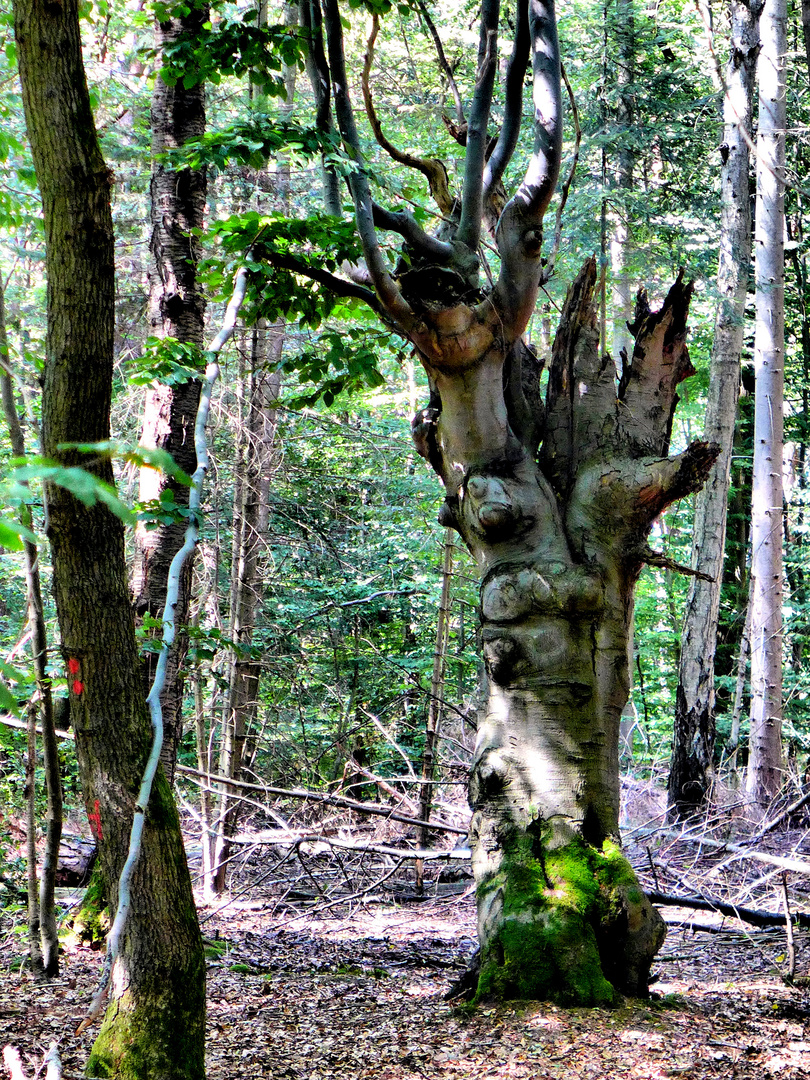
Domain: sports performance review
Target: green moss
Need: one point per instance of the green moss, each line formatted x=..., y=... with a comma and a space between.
x=92, y=921
x=162, y=1039
x=548, y=908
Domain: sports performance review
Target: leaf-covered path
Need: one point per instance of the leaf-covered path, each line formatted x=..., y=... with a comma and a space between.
x=362, y=997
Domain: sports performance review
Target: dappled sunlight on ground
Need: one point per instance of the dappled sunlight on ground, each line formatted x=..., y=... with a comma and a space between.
x=362, y=997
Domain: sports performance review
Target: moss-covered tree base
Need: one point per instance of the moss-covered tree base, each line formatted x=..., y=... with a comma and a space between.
x=154, y=1037
x=569, y=925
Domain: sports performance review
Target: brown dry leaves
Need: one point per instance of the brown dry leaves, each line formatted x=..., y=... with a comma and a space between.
x=362, y=998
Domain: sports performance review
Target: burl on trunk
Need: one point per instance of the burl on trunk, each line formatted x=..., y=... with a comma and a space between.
x=555, y=500
x=556, y=505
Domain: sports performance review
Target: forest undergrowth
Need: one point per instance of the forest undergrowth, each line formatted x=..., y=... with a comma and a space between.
x=325, y=961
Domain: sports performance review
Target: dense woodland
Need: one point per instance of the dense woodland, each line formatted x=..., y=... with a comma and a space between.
x=463, y=353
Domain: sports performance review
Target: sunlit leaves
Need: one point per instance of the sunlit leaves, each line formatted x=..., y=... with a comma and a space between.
x=168, y=361
x=252, y=142
x=339, y=361
x=13, y=534
x=150, y=456
x=82, y=485
x=275, y=292
x=8, y=701
x=164, y=510
x=234, y=47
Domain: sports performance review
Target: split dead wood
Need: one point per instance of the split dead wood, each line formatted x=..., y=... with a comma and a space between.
x=400, y=797
x=320, y=797
x=803, y=800
x=791, y=945
x=280, y=838
x=10, y=721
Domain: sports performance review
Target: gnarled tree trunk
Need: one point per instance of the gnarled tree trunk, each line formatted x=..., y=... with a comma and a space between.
x=560, y=546
x=555, y=502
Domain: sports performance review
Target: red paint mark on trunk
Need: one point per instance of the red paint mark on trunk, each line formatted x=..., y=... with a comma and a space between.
x=78, y=687
x=73, y=666
x=95, y=822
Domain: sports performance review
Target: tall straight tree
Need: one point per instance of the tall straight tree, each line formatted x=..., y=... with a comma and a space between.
x=155, y=1024
x=554, y=501
x=258, y=392
x=692, y=767
x=177, y=311
x=765, y=774
x=40, y=899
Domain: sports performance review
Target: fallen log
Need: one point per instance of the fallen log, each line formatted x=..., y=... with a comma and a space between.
x=740, y=851
x=749, y=915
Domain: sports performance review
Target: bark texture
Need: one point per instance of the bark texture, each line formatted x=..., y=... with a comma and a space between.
x=555, y=501
x=692, y=766
x=176, y=310
x=42, y=897
x=765, y=773
x=154, y=1026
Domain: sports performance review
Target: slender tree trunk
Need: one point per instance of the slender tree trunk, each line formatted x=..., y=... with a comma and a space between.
x=434, y=713
x=154, y=1026
x=257, y=453
x=34, y=946
x=765, y=772
x=176, y=310
x=692, y=766
x=44, y=896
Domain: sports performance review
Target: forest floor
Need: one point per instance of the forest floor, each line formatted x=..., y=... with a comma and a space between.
x=363, y=997
x=301, y=987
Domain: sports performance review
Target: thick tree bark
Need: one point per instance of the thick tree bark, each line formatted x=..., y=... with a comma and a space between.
x=176, y=310
x=692, y=765
x=154, y=1026
x=765, y=773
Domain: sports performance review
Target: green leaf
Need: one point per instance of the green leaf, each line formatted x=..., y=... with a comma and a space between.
x=81, y=484
x=153, y=457
x=13, y=534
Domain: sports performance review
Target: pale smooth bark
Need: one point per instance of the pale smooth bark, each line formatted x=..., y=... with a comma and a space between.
x=555, y=502
x=765, y=768
x=692, y=766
